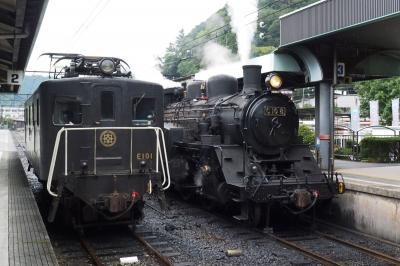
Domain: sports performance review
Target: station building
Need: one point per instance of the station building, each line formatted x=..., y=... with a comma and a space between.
x=15, y=113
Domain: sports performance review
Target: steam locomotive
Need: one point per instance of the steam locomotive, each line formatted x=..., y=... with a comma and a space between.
x=95, y=137
x=242, y=148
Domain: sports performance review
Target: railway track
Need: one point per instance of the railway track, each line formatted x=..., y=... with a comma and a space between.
x=325, y=224
x=90, y=251
x=142, y=239
x=334, y=245
x=297, y=243
x=155, y=250
x=339, y=235
x=307, y=252
x=366, y=250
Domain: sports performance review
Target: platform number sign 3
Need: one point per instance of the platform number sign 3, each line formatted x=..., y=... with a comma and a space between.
x=341, y=70
x=15, y=77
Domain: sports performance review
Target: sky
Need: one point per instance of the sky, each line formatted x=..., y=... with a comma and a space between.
x=135, y=30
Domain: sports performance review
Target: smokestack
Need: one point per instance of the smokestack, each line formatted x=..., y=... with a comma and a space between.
x=251, y=78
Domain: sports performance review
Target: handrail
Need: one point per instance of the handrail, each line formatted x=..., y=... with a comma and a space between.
x=161, y=152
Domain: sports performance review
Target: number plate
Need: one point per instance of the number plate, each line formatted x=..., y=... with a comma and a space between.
x=274, y=111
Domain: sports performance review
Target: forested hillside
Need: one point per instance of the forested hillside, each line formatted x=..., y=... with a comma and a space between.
x=187, y=54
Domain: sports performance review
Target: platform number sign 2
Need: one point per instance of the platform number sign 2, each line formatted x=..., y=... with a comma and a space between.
x=15, y=77
x=341, y=70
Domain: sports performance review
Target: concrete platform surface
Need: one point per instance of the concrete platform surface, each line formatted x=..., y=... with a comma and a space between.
x=374, y=178
x=345, y=164
x=23, y=236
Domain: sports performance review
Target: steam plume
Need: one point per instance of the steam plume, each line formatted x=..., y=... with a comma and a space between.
x=239, y=11
x=215, y=54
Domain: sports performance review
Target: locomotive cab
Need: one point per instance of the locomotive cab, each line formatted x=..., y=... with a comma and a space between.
x=100, y=143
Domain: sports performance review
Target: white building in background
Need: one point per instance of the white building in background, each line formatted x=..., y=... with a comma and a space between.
x=16, y=113
x=347, y=101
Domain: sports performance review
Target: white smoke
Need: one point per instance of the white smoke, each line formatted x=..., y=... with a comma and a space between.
x=243, y=24
x=216, y=21
x=215, y=54
x=149, y=72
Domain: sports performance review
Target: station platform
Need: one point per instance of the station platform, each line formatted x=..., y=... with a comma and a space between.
x=375, y=178
x=23, y=236
x=371, y=203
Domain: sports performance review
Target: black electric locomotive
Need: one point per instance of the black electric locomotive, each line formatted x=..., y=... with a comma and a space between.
x=242, y=147
x=95, y=138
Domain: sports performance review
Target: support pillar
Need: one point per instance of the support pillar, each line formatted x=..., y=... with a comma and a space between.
x=325, y=125
x=317, y=110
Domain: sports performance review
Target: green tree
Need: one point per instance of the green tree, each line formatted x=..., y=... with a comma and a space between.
x=169, y=62
x=382, y=90
x=268, y=19
x=176, y=61
x=307, y=134
x=262, y=50
x=188, y=67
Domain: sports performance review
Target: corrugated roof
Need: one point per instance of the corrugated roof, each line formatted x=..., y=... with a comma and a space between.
x=362, y=34
x=330, y=16
x=19, y=24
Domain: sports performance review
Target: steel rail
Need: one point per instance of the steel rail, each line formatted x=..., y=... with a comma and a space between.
x=156, y=210
x=164, y=260
x=90, y=251
x=364, y=249
x=307, y=252
x=328, y=225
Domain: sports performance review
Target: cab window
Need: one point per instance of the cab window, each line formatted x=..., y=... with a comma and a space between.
x=37, y=112
x=143, y=108
x=107, y=105
x=67, y=111
x=30, y=115
x=33, y=113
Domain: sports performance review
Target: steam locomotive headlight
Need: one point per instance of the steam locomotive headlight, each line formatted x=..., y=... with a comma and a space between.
x=274, y=81
x=107, y=66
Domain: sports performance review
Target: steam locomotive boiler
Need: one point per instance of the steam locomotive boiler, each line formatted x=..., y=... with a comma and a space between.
x=242, y=148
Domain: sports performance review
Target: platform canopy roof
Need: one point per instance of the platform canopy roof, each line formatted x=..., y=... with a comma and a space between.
x=364, y=35
x=19, y=25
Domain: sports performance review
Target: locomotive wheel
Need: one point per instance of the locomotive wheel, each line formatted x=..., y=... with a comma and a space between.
x=136, y=213
x=186, y=194
x=257, y=215
x=208, y=204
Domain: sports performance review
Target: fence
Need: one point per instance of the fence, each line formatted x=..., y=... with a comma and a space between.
x=347, y=141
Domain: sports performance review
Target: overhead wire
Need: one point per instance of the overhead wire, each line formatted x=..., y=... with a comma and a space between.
x=273, y=13
x=89, y=20
x=263, y=7
x=98, y=13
